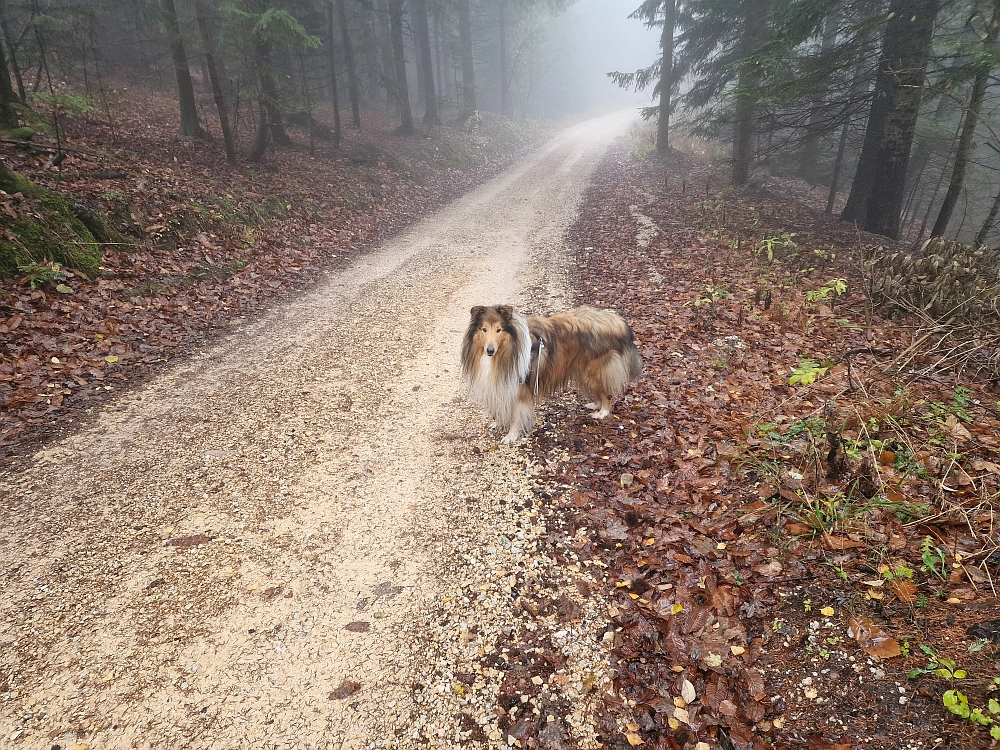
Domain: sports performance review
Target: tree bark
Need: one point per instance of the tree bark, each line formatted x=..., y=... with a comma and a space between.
x=504, y=93
x=12, y=53
x=269, y=94
x=331, y=63
x=399, y=61
x=989, y=223
x=259, y=146
x=190, y=126
x=215, y=79
x=8, y=113
x=885, y=202
x=901, y=64
x=838, y=164
x=746, y=105
x=470, y=99
x=352, y=73
x=666, y=76
x=388, y=77
x=809, y=154
x=964, y=149
x=432, y=115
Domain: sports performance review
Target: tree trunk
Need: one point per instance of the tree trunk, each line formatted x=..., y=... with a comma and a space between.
x=504, y=93
x=331, y=63
x=216, y=80
x=666, y=76
x=8, y=113
x=388, y=78
x=399, y=60
x=263, y=137
x=964, y=149
x=746, y=105
x=432, y=114
x=809, y=154
x=269, y=94
x=438, y=68
x=190, y=126
x=885, y=202
x=470, y=98
x=12, y=53
x=838, y=164
x=909, y=19
x=990, y=221
x=352, y=73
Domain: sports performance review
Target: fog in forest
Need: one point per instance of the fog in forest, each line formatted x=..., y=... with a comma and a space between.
x=886, y=107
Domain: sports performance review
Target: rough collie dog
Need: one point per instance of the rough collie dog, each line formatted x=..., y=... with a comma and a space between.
x=508, y=359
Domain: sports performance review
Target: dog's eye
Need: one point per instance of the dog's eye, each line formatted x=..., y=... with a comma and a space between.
x=484, y=330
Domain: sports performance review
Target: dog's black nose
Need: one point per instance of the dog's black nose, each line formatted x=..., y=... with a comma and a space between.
x=491, y=350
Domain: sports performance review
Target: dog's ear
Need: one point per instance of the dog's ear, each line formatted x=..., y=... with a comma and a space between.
x=477, y=311
x=505, y=311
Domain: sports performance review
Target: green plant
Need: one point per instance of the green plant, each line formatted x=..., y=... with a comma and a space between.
x=958, y=703
x=959, y=406
x=769, y=244
x=934, y=558
x=806, y=373
x=891, y=574
x=833, y=286
x=922, y=602
x=938, y=666
x=40, y=274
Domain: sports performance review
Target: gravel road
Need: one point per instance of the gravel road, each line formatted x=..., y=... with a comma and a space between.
x=303, y=536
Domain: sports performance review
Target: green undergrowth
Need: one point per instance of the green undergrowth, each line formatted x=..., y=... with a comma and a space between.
x=40, y=226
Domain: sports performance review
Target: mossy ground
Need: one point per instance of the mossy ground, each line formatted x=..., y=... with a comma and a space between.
x=43, y=228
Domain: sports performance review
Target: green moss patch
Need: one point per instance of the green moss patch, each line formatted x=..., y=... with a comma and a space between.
x=38, y=225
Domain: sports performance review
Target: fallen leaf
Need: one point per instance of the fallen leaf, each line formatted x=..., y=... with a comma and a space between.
x=839, y=543
x=345, y=689
x=873, y=640
x=905, y=591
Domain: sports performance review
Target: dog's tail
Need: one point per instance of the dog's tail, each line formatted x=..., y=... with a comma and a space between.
x=633, y=363
x=633, y=360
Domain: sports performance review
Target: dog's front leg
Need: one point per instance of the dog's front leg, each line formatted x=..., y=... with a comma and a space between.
x=605, y=409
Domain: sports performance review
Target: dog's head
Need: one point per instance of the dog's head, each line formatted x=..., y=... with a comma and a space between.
x=492, y=326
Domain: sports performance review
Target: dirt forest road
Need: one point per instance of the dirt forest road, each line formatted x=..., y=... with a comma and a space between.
x=253, y=549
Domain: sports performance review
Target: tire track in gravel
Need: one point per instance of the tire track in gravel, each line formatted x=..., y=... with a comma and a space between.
x=180, y=574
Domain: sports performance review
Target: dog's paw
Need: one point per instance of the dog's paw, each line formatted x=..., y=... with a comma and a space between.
x=600, y=414
x=510, y=437
x=590, y=405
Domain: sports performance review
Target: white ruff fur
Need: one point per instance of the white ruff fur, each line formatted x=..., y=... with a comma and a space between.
x=496, y=390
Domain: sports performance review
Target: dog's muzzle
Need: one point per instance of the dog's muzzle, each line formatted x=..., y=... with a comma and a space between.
x=491, y=350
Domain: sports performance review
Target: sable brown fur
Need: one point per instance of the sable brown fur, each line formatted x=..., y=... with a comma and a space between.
x=508, y=359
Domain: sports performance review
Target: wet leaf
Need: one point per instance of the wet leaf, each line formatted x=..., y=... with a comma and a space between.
x=345, y=689
x=872, y=639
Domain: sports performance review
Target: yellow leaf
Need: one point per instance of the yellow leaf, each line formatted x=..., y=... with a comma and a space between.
x=737, y=650
x=649, y=542
x=111, y=358
x=876, y=595
x=827, y=611
x=633, y=739
x=677, y=608
x=674, y=724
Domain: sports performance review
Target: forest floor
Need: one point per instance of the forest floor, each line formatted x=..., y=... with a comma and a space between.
x=210, y=244
x=809, y=565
